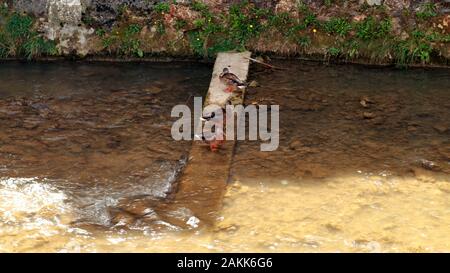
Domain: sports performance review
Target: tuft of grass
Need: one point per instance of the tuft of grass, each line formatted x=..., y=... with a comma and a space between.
x=130, y=43
x=337, y=26
x=19, y=27
x=19, y=39
x=334, y=51
x=38, y=46
x=418, y=48
x=124, y=41
x=352, y=48
x=3, y=10
x=180, y=24
x=370, y=29
x=162, y=7
x=199, y=6
x=197, y=43
x=427, y=11
x=304, y=41
x=242, y=25
x=328, y=3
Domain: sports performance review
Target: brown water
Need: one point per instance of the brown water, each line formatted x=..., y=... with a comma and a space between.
x=363, y=163
x=99, y=133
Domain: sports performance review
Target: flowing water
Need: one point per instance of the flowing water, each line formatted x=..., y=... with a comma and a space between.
x=363, y=163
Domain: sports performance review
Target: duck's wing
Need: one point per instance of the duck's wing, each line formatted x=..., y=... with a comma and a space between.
x=233, y=78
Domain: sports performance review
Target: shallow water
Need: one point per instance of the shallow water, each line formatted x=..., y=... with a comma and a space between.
x=99, y=133
x=363, y=163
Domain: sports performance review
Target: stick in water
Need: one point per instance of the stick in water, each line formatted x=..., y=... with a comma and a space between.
x=263, y=63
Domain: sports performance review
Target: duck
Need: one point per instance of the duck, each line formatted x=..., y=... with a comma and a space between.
x=212, y=139
x=232, y=81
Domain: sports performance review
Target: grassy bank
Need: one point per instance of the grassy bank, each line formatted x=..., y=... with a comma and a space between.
x=201, y=31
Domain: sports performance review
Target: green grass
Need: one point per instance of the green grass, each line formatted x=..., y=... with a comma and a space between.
x=371, y=39
x=243, y=24
x=328, y=3
x=337, y=26
x=130, y=43
x=123, y=41
x=418, y=48
x=180, y=24
x=427, y=11
x=233, y=31
x=37, y=46
x=304, y=41
x=3, y=10
x=19, y=39
x=199, y=6
x=371, y=29
x=334, y=51
x=162, y=7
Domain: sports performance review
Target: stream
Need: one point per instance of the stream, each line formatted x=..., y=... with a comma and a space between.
x=363, y=163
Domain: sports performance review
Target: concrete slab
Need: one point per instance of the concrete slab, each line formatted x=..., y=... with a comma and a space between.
x=203, y=183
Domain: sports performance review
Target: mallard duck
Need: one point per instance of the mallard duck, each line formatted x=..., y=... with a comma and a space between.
x=231, y=81
x=213, y=139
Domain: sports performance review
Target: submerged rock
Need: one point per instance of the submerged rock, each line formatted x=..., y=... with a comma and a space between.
x=424, y=175
x=369, y=115
x=441, y=128
x=429, y=165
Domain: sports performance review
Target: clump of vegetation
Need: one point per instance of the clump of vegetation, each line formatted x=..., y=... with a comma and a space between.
x=123, y=41
x=334, y=51
x=370, y=38
x=162, y=7
x=427, y=11
x=339, y=26
x=304, y=41
x=215, y=33
x=371, y=29
x=419, y=47
x=244, y=23
x=130, y=43
x=233, y=31
x=19, y=39
x=207, y=29
x=328, y=3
